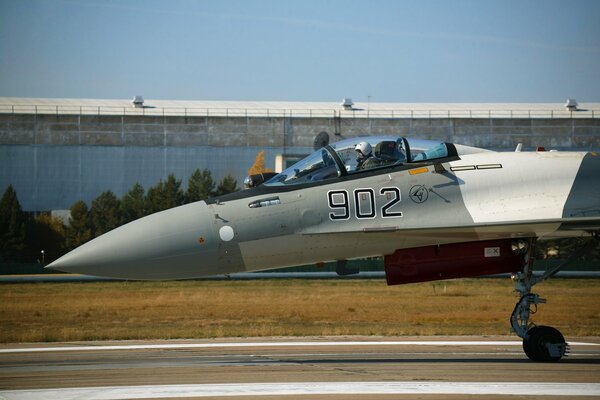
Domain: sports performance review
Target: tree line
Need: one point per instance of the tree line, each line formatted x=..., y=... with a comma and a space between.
x=23, y=236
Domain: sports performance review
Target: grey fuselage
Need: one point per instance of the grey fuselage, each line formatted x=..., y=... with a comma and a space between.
x=471, y=195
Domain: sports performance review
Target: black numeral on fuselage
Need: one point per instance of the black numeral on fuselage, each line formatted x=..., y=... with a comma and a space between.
x=365, y=204
x=338, y=202
x=392, y=193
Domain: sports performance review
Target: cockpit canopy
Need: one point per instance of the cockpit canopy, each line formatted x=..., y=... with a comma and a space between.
x=341, y=158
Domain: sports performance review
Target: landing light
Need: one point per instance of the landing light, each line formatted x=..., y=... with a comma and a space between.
x=519, y=247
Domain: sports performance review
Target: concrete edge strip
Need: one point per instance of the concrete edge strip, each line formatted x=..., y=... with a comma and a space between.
x=271, y=344
x=255, y=275
x=307, y=388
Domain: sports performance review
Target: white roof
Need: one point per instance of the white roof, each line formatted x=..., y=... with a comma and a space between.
x=299, y=109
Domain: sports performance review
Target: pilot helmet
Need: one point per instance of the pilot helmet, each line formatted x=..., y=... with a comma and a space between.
x=363, y=148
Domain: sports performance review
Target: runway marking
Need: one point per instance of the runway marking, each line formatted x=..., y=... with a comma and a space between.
x=307, y=388
x=272, y=344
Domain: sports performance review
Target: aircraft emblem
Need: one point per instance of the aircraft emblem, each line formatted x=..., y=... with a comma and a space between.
x=419, y=194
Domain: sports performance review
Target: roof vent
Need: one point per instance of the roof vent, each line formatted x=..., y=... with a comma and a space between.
x=138, y=101
x=571, y=105
x=347, y=103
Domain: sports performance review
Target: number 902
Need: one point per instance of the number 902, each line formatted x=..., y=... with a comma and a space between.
x=365, y=204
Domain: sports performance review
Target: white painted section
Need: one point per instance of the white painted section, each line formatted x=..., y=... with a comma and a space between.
x=530, y=186
x=273, y=344
x=308, y=388
x=226, y=233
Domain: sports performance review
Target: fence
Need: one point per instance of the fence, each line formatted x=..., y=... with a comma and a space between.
x=299, y=113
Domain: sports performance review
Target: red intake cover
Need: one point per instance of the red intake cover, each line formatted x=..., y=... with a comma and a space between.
x=449, y=261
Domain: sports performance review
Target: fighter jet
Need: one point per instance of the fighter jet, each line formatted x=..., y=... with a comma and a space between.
x=432, y=210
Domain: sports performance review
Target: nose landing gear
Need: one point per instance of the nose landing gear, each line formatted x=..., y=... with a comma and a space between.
x=540, y=343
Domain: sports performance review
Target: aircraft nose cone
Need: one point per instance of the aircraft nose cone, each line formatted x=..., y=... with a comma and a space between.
x=173, y=244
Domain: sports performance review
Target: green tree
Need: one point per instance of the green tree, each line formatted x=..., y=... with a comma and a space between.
x=164, y=195
x=105, y=213
x=13, y=226
x=200, y=186
x=79, y=230
x=48, y=234
x=133, y=204
x=227, y=185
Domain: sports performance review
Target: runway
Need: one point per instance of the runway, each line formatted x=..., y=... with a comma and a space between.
x=296, y=368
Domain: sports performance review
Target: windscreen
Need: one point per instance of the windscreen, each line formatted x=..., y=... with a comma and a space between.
x=423, y=150
x=318, y=166
x=342, y=158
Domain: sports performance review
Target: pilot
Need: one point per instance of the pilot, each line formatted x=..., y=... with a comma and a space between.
x=365, y=158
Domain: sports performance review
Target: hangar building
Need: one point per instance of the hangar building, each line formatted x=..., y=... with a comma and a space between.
x=57, y=151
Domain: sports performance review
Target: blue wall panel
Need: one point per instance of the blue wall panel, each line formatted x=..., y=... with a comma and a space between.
x=54, y=177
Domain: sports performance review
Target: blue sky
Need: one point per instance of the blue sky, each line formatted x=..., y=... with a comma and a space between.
x=304, y=50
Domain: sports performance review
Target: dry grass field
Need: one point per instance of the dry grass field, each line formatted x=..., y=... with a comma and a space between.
x=204, y=309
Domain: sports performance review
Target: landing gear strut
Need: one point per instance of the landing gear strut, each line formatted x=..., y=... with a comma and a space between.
x=540, y=343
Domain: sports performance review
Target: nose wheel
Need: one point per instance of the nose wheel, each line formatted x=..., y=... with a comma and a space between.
x=545, y=344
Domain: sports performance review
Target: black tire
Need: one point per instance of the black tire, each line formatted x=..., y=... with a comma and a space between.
x=535, y=347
